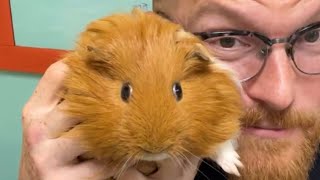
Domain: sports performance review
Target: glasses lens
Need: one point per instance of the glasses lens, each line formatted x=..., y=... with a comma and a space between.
x=242, y=53
x=307, y=52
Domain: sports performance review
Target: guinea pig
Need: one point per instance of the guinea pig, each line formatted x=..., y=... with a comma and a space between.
x=146, y=90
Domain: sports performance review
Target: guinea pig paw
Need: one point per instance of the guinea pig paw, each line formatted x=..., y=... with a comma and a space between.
x=228, y=159
x=229, y=163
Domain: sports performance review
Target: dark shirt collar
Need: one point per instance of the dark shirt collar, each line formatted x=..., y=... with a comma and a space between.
x=315, y=172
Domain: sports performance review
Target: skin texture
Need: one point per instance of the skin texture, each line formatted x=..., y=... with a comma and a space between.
x=278, y=88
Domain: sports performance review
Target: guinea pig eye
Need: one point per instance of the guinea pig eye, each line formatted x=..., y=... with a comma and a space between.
x=177, y=91
x=126, y=91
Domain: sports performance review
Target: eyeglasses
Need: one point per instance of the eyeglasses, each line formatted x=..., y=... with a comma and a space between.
x=246, y=52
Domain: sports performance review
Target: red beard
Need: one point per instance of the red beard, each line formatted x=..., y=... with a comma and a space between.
x=279, y=159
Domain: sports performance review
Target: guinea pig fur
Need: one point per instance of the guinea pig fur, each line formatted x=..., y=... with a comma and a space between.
x=145, y=89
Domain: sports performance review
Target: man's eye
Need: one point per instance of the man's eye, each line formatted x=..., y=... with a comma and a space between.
x=312, y=36
x=227, y=42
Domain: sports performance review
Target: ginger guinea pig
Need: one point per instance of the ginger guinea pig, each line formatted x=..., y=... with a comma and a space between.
x=145, y=89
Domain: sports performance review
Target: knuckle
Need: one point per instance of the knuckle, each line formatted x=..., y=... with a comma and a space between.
x=56, y=70
x=28, y=113
x=32, y=112
x=34, y=134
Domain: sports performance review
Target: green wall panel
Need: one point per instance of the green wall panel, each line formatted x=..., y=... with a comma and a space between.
x=56, y=24
x=15, y=90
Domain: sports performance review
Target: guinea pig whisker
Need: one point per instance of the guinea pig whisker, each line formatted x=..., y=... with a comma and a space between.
x=183, y=159
x=177, y=160
x=117, y=166
x=123, y=168
x=186, y=159
x=204, y=162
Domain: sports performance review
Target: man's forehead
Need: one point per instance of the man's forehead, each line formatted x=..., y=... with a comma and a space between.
x=231, y=4
x=266, y=3
x=253, y=14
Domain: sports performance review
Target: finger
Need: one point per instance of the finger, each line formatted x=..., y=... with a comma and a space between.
x=99, y=170
x=58, y=152
x=132, y=173
x=87, y=170
x=169, y=169
x=58, y=122
x=46, y=92
x=91, y=169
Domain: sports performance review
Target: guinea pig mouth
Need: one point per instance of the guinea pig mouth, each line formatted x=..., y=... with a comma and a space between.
x=146, y=156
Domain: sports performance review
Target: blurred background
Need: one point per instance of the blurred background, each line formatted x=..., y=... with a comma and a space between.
x=39, y=24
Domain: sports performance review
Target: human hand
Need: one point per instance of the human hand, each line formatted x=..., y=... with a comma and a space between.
x=47, y=155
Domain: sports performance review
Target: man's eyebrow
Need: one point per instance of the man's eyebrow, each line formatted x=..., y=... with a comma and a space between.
x=217, y=8
x=226, y=9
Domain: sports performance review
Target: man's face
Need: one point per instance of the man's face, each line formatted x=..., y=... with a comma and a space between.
x=281, y=129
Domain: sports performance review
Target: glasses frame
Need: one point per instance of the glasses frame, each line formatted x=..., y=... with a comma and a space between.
x=265, y=51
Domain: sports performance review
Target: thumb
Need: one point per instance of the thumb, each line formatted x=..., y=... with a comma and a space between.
x=175, y=168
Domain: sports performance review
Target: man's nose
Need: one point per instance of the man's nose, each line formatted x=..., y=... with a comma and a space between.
x=274, y=86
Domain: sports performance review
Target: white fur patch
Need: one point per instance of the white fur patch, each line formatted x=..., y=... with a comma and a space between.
x=227, y=157
x=232, y=73
x=154, y=157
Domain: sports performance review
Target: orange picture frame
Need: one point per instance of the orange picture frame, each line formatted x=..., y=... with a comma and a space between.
x=20, y=58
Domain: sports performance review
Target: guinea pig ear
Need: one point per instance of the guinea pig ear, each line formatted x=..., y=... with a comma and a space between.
x=182, y=35
x=199, y=52
x=197, y=60
x=90, y=48
x=97, y=60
